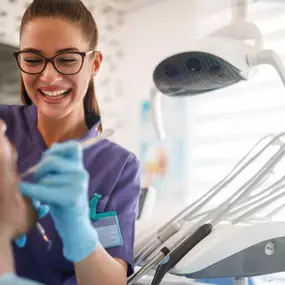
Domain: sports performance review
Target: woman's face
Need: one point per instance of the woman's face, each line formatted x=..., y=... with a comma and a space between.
x=56, y=95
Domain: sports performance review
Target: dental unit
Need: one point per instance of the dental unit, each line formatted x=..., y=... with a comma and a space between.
x=234, y=239
x=250, y=197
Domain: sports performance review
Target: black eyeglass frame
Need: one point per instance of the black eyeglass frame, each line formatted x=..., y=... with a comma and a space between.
x=51, y=60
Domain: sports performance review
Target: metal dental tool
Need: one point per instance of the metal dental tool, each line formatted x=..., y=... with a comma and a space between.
x=42, y=232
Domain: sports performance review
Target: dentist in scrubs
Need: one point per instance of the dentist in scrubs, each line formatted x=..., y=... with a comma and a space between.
x=58, y=62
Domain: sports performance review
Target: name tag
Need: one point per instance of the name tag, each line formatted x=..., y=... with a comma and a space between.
x=108, y=229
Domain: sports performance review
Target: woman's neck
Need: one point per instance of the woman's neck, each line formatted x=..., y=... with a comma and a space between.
x=54, y=130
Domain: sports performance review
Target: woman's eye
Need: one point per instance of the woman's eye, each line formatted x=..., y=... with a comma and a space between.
x=33, y=61
x=66, y=60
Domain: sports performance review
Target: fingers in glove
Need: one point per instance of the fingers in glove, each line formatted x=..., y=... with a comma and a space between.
x=52, y=165
x=43, y=210
x=21, y=241
x=60, y=190
x=71, y=150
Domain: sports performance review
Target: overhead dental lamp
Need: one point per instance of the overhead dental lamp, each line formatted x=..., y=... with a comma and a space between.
x=218, y=61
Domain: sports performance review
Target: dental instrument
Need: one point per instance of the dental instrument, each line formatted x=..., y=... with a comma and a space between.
x=42, y=232
x=85, y=144
x=180, y=251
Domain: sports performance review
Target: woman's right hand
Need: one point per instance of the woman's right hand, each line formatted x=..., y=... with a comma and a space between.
x=62, y=182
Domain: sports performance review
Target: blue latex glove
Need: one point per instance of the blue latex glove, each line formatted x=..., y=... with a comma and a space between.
x=42, y=210
x=62, y=182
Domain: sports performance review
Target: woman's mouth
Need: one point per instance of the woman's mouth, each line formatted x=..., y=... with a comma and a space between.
x=55, y=95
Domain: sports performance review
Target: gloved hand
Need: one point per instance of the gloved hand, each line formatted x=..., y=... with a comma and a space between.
x=62, y=182
x=42, y=210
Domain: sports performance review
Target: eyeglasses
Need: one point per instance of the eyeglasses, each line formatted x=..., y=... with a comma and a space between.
x=67, y=63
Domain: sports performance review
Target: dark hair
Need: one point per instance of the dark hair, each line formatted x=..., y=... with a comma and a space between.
x=77, y=13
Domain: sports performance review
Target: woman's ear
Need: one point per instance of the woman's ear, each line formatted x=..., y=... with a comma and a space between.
x=97, y=62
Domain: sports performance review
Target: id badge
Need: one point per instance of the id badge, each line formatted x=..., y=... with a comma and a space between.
x=108, y=229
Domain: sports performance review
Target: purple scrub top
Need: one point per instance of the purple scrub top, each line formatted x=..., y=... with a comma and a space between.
x=114, y=173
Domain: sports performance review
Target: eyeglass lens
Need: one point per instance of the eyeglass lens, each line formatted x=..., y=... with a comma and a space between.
x=67, y=63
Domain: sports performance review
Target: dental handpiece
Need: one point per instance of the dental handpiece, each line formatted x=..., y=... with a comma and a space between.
x=85, y=144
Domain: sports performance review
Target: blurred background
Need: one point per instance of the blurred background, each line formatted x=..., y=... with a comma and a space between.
x=207, y=134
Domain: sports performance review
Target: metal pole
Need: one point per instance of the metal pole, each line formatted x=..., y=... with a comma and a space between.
x=239, y=10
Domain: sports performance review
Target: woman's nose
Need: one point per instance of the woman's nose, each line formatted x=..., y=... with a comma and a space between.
x=50, y=75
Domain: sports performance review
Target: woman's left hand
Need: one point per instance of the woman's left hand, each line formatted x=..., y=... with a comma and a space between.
x=62, y=182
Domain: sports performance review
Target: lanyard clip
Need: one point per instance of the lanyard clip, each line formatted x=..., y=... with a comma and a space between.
x=93, y=205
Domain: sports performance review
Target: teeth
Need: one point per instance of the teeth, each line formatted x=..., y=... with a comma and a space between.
x=54, y=93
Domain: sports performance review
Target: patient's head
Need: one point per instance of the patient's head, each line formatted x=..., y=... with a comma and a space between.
x=16, y=213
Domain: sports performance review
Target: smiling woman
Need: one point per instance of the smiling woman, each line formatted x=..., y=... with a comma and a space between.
x=58, y=59
x=43, y=37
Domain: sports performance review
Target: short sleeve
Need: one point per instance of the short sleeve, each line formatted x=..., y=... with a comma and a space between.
x=124, y=200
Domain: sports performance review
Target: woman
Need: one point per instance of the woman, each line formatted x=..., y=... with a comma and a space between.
x=58, y=60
